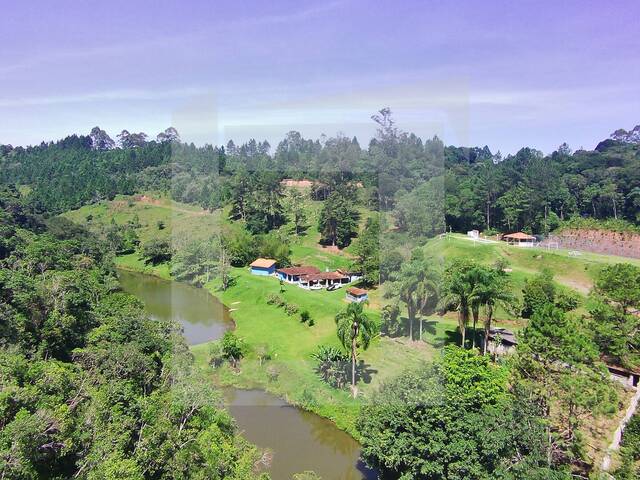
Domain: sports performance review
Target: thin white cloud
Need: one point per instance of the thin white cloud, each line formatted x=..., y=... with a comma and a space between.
x=149, y=44
x=105, y=96
x=288, y=17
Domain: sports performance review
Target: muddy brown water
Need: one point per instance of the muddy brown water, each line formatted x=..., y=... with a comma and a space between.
x=299, y=440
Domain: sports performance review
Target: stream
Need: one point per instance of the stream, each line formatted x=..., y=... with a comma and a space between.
x=299, y=440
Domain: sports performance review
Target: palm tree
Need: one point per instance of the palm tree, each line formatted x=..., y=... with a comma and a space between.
x=478, y=277
x=427, y=288
x=407, y=288
x=458, y=289
x=416, y=287
x=355, y=329
x=496, y=291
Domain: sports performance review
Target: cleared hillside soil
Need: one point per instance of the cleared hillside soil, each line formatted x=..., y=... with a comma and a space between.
x=600, y=241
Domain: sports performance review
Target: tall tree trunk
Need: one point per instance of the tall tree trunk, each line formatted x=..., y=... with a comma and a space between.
x=461, y=327
x=353, y=366
x=410, y=327
x=420, y=337
x=475, y=310
x=411, y=314
x=487, y=328
x=488, y=214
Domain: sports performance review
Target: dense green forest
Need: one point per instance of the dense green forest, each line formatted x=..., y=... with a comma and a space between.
x=90, y=387
x=462, y=188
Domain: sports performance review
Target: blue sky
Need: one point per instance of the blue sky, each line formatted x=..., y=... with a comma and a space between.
x=505, y=74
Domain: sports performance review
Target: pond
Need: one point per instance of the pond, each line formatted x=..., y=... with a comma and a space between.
x=299, y=440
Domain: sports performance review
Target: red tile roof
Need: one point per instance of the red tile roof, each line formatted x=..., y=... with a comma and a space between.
x=519, y=236
x=297, y=271
x=313, y=277
x=357, y=292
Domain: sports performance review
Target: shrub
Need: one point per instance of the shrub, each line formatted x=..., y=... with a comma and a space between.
x=631, y=437
x=275, y=299
x=272, y=298
x=391, y=320
x=156, y=251
x=263, y=352
x=305, y=316
x=291, y=308
x=216, y=354
x=311, y=322
x=567, y=301
x=272, y=373
x=332, y=365
x=233, y=347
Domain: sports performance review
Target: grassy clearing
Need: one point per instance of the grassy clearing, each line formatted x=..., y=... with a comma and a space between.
x=575, y=272
x=181, y=222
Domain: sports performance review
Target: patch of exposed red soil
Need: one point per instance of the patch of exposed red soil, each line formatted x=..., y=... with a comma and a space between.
x=600, y=241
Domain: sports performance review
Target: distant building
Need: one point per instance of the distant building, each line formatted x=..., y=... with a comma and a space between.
x=290, y=182
x=323, y=279
x=357, y=295
x=626, y=376
x=263, y=266
x=294, y=274
x=353, y=276
x=520, y=239
x=501, y=341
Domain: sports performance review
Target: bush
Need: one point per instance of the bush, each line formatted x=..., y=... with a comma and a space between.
x=311, y=322
x=537, y=293
x=263, y=352
x=233, y=347
x=631, y=437
x=291, y=308
x=272, y=373
x=216, y=354
x=305, y=316
x=156, y=251
x=332, y=365
x=567, y=301
x=391, y=320
x=275, y=299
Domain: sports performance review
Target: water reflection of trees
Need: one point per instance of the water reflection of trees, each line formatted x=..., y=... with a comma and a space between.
x=326, y=433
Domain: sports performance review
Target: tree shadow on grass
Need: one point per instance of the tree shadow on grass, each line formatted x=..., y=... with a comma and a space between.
x=402, y=330
x=453, y=337
x=364, y=372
